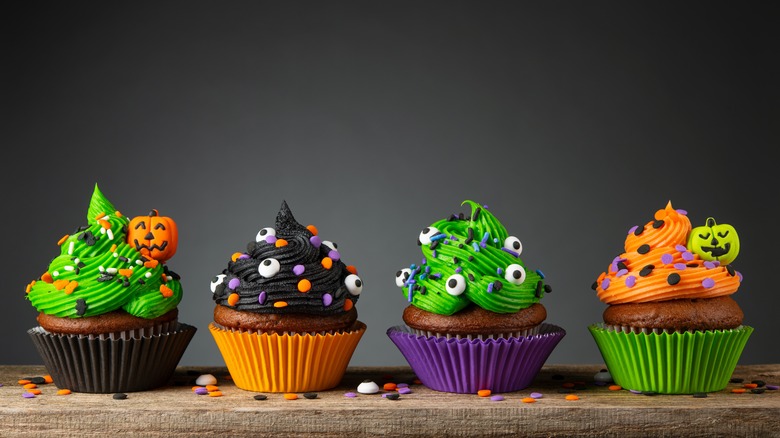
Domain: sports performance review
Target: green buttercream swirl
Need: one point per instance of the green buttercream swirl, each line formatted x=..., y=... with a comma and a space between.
x=482, y=264
x=87, y=258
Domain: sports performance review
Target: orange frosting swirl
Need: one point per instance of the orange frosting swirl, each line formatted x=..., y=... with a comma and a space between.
x=657, y=266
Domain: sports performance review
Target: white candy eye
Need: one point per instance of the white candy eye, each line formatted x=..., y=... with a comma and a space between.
x=216, y=281
x=513, y=244
x=456, y=284
x=330, y=245
x=354, y=284
x=401, y=277
x=269, y=267
x=265, y=232
x=426, y=234
x=515, y=274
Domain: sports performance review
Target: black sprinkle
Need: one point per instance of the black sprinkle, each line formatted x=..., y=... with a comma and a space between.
x=700, y=395
x=476, y=213
x=731, y=270
x=119, y=396
x=673, y=278
x=103, y=278
x=82, y=228
x=41, y=380
x=622, y=265
x=118, y=280
x=452, y=218
x=460, y=216
x=77, y=271
x=471, y=258
x=123, y=258
x=558, y=377
x=471, y=277
x=758, y=390
x=595, y=285
x=650, y=393
x=455, y=260
x=423, y=290
x=639, y=231
x=125, y=283
x=646, y=270
x=310, y=395
x=416, y=287
x=144, y=259
x=643, y=249
x=393, y=396
x=692, y=265
x=460, y=246
x=81, y=307
x=261, y=397
x=547, y=288
x=434, y=245
x=141, y=281
x=760, y=383
x=81, y=265
x=736, y=380
x=658, y=224
x=470, y=236
x=497, y=285
x=539, y=288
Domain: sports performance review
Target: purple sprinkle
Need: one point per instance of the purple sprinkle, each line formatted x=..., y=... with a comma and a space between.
x=605, y=284
x=327, y=300
x=434, y=253
x=424, y=261
x=717, y=262
x=499, y=271
x=709, y=265
x=298, y=269
x=490, y=288
x=427, y=269
x=772, y=387
x=496, y=398
x=315, y=241
x=679, y=266
x=681, y=211
x=234, y=283
x=28, y=395
x=458, y=269
x=739, y=274
x=402, y=385
x=446, y=242
x=455, y=238
x=350, y=395
x=270, y=239
x=681, y=248
x=536, y=395
x=634, y=391
x=540, y=273
x=436, y=275
x=201, y=391
x=484, y=206
x=483, y=244
x=708, y=283
x=613, y=268
x=687, y=256
x=632, y=229
x=243, y=256
x=666, y=259
x=385, y=395
x=334, y=255
x=404, y=390
x=510, y=252
x=630, y=281
x=262, y=297
x=622, y=272
x=485, y=237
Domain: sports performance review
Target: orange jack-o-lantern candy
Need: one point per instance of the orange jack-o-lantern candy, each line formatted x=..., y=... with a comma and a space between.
x=153, y=235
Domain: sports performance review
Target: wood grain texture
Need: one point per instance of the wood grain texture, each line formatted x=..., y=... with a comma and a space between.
x=175, y=411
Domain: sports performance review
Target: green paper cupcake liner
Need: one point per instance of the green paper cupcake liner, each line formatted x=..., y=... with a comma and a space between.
x=671, y=363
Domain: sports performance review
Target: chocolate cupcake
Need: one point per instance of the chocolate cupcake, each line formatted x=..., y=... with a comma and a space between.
x=671, y=325
x=474, y=320
x=285, y=317
x=108, y=315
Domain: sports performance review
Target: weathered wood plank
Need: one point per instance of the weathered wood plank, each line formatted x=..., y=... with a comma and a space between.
x=175, y=411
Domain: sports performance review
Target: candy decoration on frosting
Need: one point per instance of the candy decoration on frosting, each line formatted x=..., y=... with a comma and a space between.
x=715, y=242
x=470, y=260
x=153, y=235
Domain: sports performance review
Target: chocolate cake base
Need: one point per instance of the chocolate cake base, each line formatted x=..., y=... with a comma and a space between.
x=112, y=322
x=280, y=323
x=678, y=315
x=475, y=320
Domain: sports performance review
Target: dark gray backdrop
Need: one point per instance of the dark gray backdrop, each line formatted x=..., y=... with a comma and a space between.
x=572, y=121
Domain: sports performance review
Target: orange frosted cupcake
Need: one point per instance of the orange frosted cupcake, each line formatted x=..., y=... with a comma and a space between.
x=285, y=317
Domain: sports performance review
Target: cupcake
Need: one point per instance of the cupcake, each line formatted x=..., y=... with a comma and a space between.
x=474, y=320
x=671, y=326
x=285, y=317
x=108, y=316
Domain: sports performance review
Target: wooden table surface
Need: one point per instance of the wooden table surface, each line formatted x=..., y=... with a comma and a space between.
x=176, y=411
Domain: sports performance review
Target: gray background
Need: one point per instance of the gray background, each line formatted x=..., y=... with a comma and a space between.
x=572, y=121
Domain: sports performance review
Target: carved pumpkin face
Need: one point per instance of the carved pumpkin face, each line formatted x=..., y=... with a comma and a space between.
x=715, y=242
x=153, y=236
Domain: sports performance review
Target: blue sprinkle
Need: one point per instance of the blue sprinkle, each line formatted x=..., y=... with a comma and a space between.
x=511, y=252
x=495, y=240
x=499, y=271
x=541, y=274
x=438, y=237
x=427, y=269
x=485, y=237
x=409, y=293
x=475, y=246
x=412, y=266
x=490, y=288
x=422, y=276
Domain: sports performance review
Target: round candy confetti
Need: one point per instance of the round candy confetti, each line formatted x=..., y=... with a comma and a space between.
x=758, y=390
x=700, y=395
x=528, y=400
x=772, y=387
x=206, y=379
x=63, y=392
x=603, y=376
x=215, y=394
x=119, y=396
x=615, y=387
x=290, y=396
x=368, y=387
x=310, y=395
x=350, y=395
x=497, y=398
x=234, y=283
x=298, y=269
x=404, y=390
x=28, y=395
x=201, y=391
x=261, y=397
x=760, y=383
x=536, y=395
x=392, y=396
x=402, y=385
x=38, y=380
x=389, y=386
x=483, y=393
x=572, y=397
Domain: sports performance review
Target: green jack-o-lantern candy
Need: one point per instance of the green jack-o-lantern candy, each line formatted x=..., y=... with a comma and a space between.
x=715, y=242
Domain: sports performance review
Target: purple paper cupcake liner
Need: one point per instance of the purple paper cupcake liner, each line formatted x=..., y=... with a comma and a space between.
x=467, y=366
x=111, y=364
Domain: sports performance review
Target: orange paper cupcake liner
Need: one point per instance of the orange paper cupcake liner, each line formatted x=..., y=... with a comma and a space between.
x=264, y=362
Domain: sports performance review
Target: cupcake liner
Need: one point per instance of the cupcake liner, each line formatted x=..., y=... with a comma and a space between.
x=272, y=362
x=671, y=363
x=119, y=362
x=467, y=366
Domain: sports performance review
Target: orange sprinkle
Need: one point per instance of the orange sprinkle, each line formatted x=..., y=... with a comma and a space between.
x=291, y=396
x=60, y=284
x=46, y=277
x=348, y=305
x=738, y=390
x=211, y=388
x=312, y=229
x=352, y=269
x=528, y=400
x=126, y=272
x=215, y=394
x=30, y=386
x=104, y=224
x=567, y=385
x=23, y=382
x=72, y=285
x=63, y=392
x=483, y=393
x=113, y=248
x=235, y=256
x=63, y=239
x=163, y=278
x=390, y=386
x=47, y=378
x=233, y=299
x=327, y=263
x=29, y=287
x=34, y=391
x=117, y=213
x=280, y=243
x=99, y=216
x=166, y=291
x=750, y=385
x=304, y=285
x=151, y=264
x=615, y=387
x=572, y=397
x=280, y=304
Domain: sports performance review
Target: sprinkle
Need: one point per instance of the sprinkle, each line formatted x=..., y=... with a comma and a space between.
x=483, y=393
x=312, y=229
x=232, y=299
x=70, y=248
x=475, y=246
x=772, y=387
x=643, y=249
x=47, y=379
x=104, y=224
x=280, y=243
x=389, y=386
x=243, y=257
x=540, y=273
x=72, y=285
x=485, y=237
x=298, y=269
x=28, y=395
x=310, y=395
x=262, y=297
x=634, y=391
x=404, y=390
x=759, y=383
x=738, y=390
x=147, y=275
x=438, y=237
x=63, y=392
x=271, y=240
x=687, y=256
x=679, y=266
x=536, y=395
x=348, y=304
x=290, y=396
x=750, y=385
x=327, y=263
x=350, y=395
x=633, y=229
x=260, y=397
x=499, y=271
x=758, y=390
x=46, y=277
x=334, y=255
x=497, y=398
x=110, y=234
x=113, y=248
x=201, y=391
x=459, y=269
x=215, y=394
x=615, y=387
x=605, y=284
x=667, y=259
x=434, y=253
x=470, y=236
x=234, y=283
x=280, y=304
x=621, y=272
x=708, y=283
x=126, y=272
x=673, y=278
x=528, y=400
x=392, y=396
x=30, y=386
x=327, y=299
x=630, y=281
x=680, y=248
x=60, y=284
x=709, y=265
x=119, y=396
x=490, y=288
x=353, y=270
x=168, y=292
x=647, y=270
x=151, y=264
x=235, y=256
x=572, y=397
x=315, y=241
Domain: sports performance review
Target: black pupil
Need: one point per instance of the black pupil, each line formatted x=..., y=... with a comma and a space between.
x=267, y=263
x=426, y=230
x=516, y=274
x=398, y=274
x=215, y=279
x=452, y=283
x=516, y=245
x=263, y=232
x=358, y=283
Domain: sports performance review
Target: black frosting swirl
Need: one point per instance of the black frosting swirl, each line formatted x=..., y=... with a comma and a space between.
x=280, y=293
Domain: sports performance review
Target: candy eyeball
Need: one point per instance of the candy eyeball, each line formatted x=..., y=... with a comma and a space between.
x=330, y=245
x=515, y=274
x=456, y=285
x=269, y=267
x=354, y=284
x=217, y=281
x=265, y=232
x=402, y=276
x=512, y=243
x=426, y=234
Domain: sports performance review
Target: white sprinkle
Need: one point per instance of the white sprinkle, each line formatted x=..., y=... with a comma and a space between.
x=148, y=274
x=139, y=263
x=110, y=234
x=101, y=269
x=168, y=278
x=206, y=379
x=68, y=268
x=368, y=387
x=102, y=230
x=76, y=260
x=116, y=254
x=111, y=271
x=55, y=273
x=70, y=248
